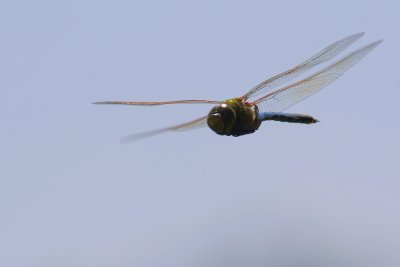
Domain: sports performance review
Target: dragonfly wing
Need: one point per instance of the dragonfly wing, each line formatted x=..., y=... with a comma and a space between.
x=286, y=97
x=157, y=103
x=191, y=125
x=326, y=54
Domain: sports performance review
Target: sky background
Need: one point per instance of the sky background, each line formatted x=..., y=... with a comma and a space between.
x=288, y=195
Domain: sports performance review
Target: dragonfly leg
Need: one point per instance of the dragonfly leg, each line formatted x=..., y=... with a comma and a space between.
x=286, y=117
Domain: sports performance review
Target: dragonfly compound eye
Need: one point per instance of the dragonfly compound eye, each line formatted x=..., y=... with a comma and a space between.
x=221, y=119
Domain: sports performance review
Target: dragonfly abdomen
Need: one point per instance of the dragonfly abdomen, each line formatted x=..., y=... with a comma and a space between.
x=286, y=117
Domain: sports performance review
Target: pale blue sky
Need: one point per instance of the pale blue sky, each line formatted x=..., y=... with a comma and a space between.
x=288, y=195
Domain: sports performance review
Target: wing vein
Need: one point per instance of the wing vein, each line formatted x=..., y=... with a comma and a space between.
x=325, y=55
x=285, y=97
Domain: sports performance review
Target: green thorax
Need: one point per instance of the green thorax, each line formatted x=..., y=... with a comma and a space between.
x=234, y=117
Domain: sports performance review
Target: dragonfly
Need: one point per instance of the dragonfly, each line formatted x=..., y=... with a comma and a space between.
x=244, y=115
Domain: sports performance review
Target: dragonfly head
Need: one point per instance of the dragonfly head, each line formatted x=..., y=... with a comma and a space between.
x=221, y=119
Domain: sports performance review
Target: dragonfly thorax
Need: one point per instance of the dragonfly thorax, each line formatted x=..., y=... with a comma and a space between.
x=233, y=117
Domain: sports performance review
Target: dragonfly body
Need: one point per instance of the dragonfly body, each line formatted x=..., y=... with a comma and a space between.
x=240, y=116
x=236, y=117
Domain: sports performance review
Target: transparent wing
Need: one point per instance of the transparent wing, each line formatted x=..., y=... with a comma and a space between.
x=322, y=56
x=157, y=103
x=284, y=98
x=191, y=125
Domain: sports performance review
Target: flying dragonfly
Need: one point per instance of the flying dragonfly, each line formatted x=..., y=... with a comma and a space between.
x=242, y=115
